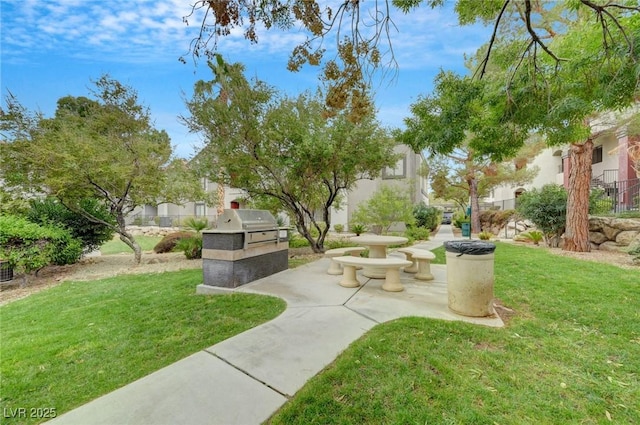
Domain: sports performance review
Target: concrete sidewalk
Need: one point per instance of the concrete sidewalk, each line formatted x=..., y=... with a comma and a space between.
x=245, y=379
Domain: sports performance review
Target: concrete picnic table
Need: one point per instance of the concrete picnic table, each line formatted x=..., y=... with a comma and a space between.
x=377, y=245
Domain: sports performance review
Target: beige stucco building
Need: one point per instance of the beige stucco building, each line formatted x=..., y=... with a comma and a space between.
x=405, y=176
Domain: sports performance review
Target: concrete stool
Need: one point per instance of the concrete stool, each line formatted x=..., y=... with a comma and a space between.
x=423, y=258
x=390, y=266
x=335, y=268
x=413, y=268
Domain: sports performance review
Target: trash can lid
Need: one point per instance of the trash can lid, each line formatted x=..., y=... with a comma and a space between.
x=469, y=247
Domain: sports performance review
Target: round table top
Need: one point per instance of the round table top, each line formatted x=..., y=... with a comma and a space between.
x=379, y=240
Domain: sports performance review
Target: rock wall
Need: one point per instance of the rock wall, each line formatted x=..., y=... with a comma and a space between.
x=614, y=234
x=605, y=233
x=151, y=230
x=508, y=229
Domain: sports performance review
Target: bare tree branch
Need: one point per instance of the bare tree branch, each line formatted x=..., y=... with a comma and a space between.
x=533, y=33
x=485, y=61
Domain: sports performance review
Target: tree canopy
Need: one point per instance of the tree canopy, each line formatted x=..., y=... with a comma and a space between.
x=104, y=148
x=579, y=60
x=363, y=32
x=468, y=136
x=282, y=148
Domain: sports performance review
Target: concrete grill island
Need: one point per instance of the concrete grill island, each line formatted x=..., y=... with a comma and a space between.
x=246, y=245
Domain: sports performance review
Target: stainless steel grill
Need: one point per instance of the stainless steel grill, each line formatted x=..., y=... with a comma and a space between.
x=259, y=226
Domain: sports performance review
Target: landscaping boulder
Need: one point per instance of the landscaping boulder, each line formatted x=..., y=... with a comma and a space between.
x=597, y=237
x=625, y=237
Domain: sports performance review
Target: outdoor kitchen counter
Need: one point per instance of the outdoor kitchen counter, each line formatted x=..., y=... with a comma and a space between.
x=377, y=245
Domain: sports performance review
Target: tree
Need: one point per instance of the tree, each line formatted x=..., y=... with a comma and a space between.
x=283, y=148
x=387, y=206
x=363, y=31
x=589, y=65
x=579, y=61
x=105, y=149
x=468, y=137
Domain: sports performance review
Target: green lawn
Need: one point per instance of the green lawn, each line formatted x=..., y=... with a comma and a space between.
x=571, y=355
x=72, y=343
x=116, y=246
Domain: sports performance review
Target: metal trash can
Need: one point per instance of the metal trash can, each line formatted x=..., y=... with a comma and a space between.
x=466, y=230
x=470, y=277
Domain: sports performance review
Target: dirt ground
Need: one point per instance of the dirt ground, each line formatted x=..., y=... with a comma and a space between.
x=112, y=265
x=95, y=268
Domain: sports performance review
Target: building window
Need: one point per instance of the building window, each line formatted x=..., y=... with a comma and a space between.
x=395, y=172
x=199, y=209
x=597, y=155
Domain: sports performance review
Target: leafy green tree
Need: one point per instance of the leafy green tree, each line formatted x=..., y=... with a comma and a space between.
x=386, y=207
x=363, y=32
x=547, y=209
x=557, y=63
x=283, y=148
x=105, y=149
x=580, y=59
x=468, y=139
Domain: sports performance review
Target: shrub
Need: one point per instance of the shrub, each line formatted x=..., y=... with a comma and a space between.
x=387, y=206
x=29, y=246
x=91, y=234
x=459, y=217
x=339, y=243
x=195, y=224
x=534, y=236
x=547, y=209
x=599, y=202
x=168, y=243
x=635, y=252
x=358, y=228
x=417, y=233
x=339, y=228
x=192, y=247
x=427, y=216
x=297, y=241
x=485, y=236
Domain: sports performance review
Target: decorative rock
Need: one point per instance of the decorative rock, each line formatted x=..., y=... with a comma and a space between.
x=625, y=237
x=609, y=246
x=611, y=232
x=597, y=237
x=597, y=224
x=626, y=223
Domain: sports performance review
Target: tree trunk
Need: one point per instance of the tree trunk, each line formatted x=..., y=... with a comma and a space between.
x=475, y=206
x=131, y=243
x=576, y=237
x=128, y=238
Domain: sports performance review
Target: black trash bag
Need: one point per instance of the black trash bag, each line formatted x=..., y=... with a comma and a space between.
x=469, y=247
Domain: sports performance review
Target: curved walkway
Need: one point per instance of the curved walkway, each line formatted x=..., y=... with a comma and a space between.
x=245, y=379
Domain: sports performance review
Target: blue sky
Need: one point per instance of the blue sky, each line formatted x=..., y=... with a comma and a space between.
x=55, y=48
